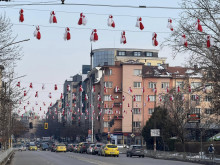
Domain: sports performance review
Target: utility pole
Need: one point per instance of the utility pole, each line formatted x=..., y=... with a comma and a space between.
x=155, y=139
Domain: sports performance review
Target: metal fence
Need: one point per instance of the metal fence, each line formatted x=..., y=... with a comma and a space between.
x=192, y=157
x=5, y=154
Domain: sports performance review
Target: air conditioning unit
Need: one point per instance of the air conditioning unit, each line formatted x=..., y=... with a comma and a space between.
x=116, y=97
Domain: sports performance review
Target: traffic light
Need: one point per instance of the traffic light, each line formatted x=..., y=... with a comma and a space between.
x=30, y=125
x=45, y=125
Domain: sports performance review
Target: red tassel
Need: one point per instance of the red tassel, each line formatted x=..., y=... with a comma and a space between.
x=21, y=18
x=184, y=41
x=141, y=26
x=198, y=26
x=37, y=33
x=95, y=35
x=123, y=38
x=67, y=35
x=154, y=39
x=82, y=19
x=53, y=18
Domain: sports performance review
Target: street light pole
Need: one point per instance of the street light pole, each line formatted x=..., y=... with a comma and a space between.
x=155, y=139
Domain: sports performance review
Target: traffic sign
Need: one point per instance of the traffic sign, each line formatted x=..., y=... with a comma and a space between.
x=155, y=132
x=132, y=135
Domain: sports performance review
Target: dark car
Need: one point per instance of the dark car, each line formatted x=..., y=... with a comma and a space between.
x=135, y=150
x=53, y=148
x=75, y=147
x=83, y=147
x=97, y=147
x=70, y=147
x=44, y=147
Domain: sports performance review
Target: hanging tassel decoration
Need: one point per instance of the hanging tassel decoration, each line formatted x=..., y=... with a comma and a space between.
x=37, y=33
x=94, y=36
x=82, y=19
x=169, y=25
x=154, y=39
x=210, y=41
x=67, y=35
x=53, y=18
x=123, y=38
x=183, y=40
x=111, y=22
x=21, y=18
x=198, y=26
x=55, y=87
x=139, y=23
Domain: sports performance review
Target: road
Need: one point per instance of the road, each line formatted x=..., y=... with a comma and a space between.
x=69, y=158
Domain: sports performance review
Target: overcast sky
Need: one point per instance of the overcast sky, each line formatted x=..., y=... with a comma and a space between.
x=52, y=60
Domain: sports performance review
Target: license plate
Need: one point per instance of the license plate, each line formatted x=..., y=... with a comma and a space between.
x=138, y=151
x=112, y=152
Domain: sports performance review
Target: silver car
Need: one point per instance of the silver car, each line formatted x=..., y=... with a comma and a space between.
x=90, y=149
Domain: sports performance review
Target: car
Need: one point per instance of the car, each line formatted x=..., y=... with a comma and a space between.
x=44, y=147
x=110, y=149
x=97, y=147
x=135, y=150
x=82, y=148
x=32, y=146
x=60, y=148
x=100, y=150
x=53, y=148
x=20, y=147
x=90, y=149
x=75, y=147
x=70, y=147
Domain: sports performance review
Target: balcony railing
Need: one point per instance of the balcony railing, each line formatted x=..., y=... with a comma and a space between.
x=118, y=117
x=118, y=130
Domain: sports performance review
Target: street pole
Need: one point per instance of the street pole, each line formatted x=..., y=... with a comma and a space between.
x=132, y=115
x=155, y=139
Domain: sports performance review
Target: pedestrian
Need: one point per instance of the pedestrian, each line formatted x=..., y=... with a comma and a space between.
x=211, y=150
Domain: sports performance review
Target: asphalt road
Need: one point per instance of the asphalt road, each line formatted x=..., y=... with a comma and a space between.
x=69, y=158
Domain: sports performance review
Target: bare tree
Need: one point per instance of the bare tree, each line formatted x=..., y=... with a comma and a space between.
x=207, y=58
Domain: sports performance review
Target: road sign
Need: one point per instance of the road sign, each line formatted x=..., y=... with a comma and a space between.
x=155, y=132
x=132, y=135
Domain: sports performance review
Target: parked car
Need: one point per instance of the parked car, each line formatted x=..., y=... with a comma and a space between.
x=100, y=150
x=97, y=147
x=44, y=147
x=110, y=149
x=53, y=148
x=90, y=149
x=135, y=150
x=20, y=147
x=82, y=147
x=70, y=147
x=60, y=148
x=32, y=146
x=75, y=147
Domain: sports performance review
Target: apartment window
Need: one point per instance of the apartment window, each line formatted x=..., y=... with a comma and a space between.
x=195, y=97
x=136, y=124
x=138, y=97
x=195, y=110
x=209, y=111
x=158, y=64
x=148, y=64
x=108, y=72
x=195, y=85
x=108, y=111
x=121, y=53
x=107, y=98
x=149, y=54
x=105, y=124
x=151, y=111
x=151, y=97
x=165, y=85
x=137, y=54
x=108, y=84
x=137, y=72
x=151, y=85
x=180, y=84
x=208, y=86
x=137, y=111
x=137, y=84
x=208, y=98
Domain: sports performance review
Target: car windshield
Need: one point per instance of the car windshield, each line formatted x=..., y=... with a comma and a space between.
x=92, y=145
x=99, y=145
x=61, y=145
x=111, y=146
x=137, y=147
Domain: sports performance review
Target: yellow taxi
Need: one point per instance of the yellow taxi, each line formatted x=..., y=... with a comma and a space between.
x=110, y=149
x=33, y=147
x=60, y=148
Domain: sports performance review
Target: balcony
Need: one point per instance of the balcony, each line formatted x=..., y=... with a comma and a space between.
x=118, y=90
x=117, y=104
x=118, y=130
x=118, y=117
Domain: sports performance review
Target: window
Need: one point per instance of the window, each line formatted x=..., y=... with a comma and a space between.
x=137, y=54
x=149, y=54
x=138, y=97
x=148, y=64
x=108, y=111
x=137, y=124
x=151, y=85
x=151, y=97
x=137, y=84
x=195, y=110
x=208, y=98
x=209, y=111
x=151, y=111
x=195, y=85
x=165, y=85
x=137, y=72
x=179, y=84
x=158, y=64
x=195, y=97
x=108, y=84
x=107, y=98
x=105, y=124
x=108, y=72
x=208, y=86
x=121, y=53
x=137, y=111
